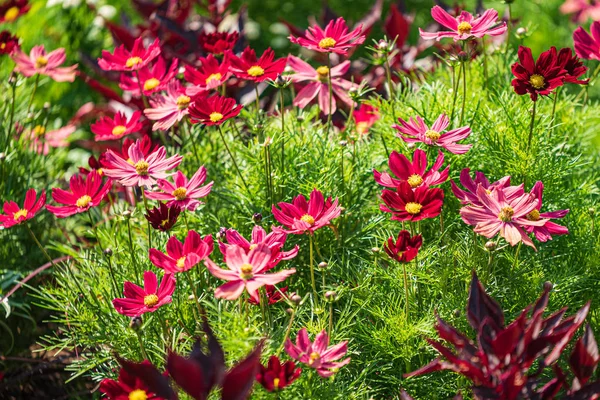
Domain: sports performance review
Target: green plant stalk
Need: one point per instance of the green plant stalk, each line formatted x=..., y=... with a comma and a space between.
x=142, y=349
x=516, y=262
x=531, y=125
x=12, y=111
x=312, y=268
x=330, y=87
x=287, y=331
x=112, y=272
x=131, y=251
x=35, y=86
x=197, y=309
x=330, y=331
x=257, y=102
x=149, y=228
x=556, y=94
x=406, y=310
x=282, y=105
x=455, y=83
x=464, y=99
x=233, y=159
x=142, y=95
x=391, y=92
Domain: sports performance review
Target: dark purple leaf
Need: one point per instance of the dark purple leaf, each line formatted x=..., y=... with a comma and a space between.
x=404, y=395
x=239, y=379
x=584, y=357
x=568, y=334
x=152, y=378
x=480, y=306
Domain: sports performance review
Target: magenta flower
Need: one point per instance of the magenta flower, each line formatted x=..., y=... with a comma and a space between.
x=246, y=271
x=40, y=62
x=126, y=60
x=465, y=26
x=182, y=257
x=274, y=241
x=41, y=141
x=115, y=128
x=301, y=216
x=251, y=68
x=334, y=39
x=317, y=84
x=415, y=131
x=139, y=300
x=141, y=170
x=469, y=195
x=209, y=76
x=15, y=215
x=183, y=193
x=86, y=192
x=415, y=172
x=318, y=355
x=544, y=233
x=501, y=214
x=365, y=117
x=151, y=79
x=168, y=109
x=582, y=10
x=586, y=46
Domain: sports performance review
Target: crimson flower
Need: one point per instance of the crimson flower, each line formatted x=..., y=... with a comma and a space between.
x=217, y=42
x=272, y=294
x=415, y=131
x=130, y=60
x=8, y=42
x=139, y=300
x=170, y=108
x=40, y=62
x=209, y=76
x=318, y=355
x=544, y=233
x=108, y=128
x=469, y=195
x=334, y=39
x=405, y=248
x=301, y=216
x=86, y=192
x=573, y=65
x=184, y=256
x=250, y=68
x=415, y=172
x=537, y=78
x=12, y=9
x=277, y=375
x=365, y=117
x=183, y=193
x=213, y=110
x=15, y=215
x=151, y=79
x=407, y=204
x=137, y=381
x=586, y=46
x=465, y=26
x=94, y=164
x=163, y=217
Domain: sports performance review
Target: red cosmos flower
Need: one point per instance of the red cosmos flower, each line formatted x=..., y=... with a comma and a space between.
x=250, y=68
x=405, y=248
x=85, y=193
x=365, y=117
x=183, y=193
x=274, y=240
x=94, y=164
x=540, y=77
x=40, y=62
x=218, y=42
x=272, y=294
x=277, y=375
x=213, y=110
x=135, y=381
x=544, y=233
x=301, y=216
x=318, y=355
x=14, y=215
x=126, y=60
x=182, y=257
x=12, y=9
x=415, y=172
x=415, y=131
x=469, y=196
x=573, y=65
x=407, y=204
x=465, y=26
x=334, y=39
x=163, y=217
x=169, y=109
x=8, y=42
x=139, y=300
x=209, y=76
x=115, y=128
x=586, y=46
x=152, y=79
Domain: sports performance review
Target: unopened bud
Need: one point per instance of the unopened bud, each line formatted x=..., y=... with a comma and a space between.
x=592, y=211
x=323, y=265
x=295, y=298
x=2, y=156
x=382, y=45
x=46, y=105
x=280, y=81
x=136, y=323
x=289, y=311
x=127, y=214
x=330, y=295
x=521, y=31
x=457, y=313
x=108, y=252
x=463, y=56
x=300, y=118
x=410, y=145
x=490, y=246
x=375, y=249
x=257, y=218
x=221, y=234
x=548, y=286
x=343, y=143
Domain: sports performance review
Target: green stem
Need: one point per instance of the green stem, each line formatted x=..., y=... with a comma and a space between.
x=12, y=110
x=405, y=289
x=531, y=124
x=257, y=101
x=389, y=81
x=312, y=268
x=516, y=262
x=455, y=83
x=37, y=81
x=233, y=160
x=330, y=318
x=464, y=99
x=148, y=221
x=131, y=251
x=287, y=332
x=37, y=242
x=197, y=309
x=330, y=92
x=556, y=94
x=281, y=100
x=142, y=95
x=143, y=350
x=112, y=272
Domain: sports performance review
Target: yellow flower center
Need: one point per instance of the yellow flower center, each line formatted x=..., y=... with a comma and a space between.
x=133, y=61
x=11, y=14
x=537, y=81
x=83, y=201
x=246, y=271
x=414, y=180
x=314, y=356
x=253, y=246
x=119, y=130
x=256, y=70
x=534, y=215
x=164, y=222
x=413, y=208
x=20, y=214
x=151, y=84
x=141, y=167
x=323, y=72
x=41, y=62
x=100, y=171
x=309, y=219
x=39, y=130
x=464, y=28
x=432, y=135
x=276, y=383
x=362, y=127
x=150, y=300
x=213, y=77
x=2, y=46
x=180, y=193
x=138, y=394
x=181, y=263
x=506, y=214
x=183, y=102
x=327, y=43
x=216, y=116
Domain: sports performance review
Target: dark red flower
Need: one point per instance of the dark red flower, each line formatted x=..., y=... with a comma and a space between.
x=573, y=65
x=537, y=78
x=95, y=164
x=276, y=376
x=408, y=205
x=404, y=248
x=250, y=68
x=163, y=217
x=12, y=9
x=14, y=215
x=137, y=381
x=213, y=110
x=218, y=42
x=8, y=42
x=272, y=294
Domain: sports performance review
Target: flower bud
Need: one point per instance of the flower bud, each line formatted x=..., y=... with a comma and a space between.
x=2, y=156
x=295, y=298
x=257, y=218
x=221, y=234
x=300, y=118
x=410, y=145
x=280, y=81
x=463, y=56
x=375, y=249
x=521, y=31
x=126, y=214
x=108, y=252
x=46, y=105
x=382, y=45
x=343, y=143
x=592, y=211
x=323, y=265
x=548, y=286
x=289, y=311
x=135, y=323
x=457, y=313
x=490, y=246
x=330, y=295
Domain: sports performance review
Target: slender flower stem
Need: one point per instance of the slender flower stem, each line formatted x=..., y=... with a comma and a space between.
x=464, y=99
x=389, y=81
x=556, y=94
x=142, y=349
x=531, y=124
x=516, y=262
x=508, y=35
x=195, y=294
x=233, y=159
x=312, y=268
x=405, y=289
x=485, y=66
x=131, y=251
x=287, y=331
x=488, y=272
x=12, y=110
x=257, y=101
x=455, y=83
x=37, y=242
x=330, y=318
x=142, y=95
x=148, y=221
x=330, y=92
x=37, y=81
x=282, y=110
x=112, y=272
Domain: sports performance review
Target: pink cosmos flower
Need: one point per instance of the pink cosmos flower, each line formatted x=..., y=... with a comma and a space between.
x=182, y=257
x=142, y=170
x=469, y=196
x=301, y=216
x=15, y=215
x=334, y=39
x=500, y=214
x=465, y=26
x=318, y=355
x=586, y=46
x=251, y=68
x=152, y=79
x=274, y=241
x=365, y=117
x=545, y=232
x=415, y=172
x=41, y=141
x=40, y=62
x=86, y=192
x=169, y=109
x=115, y=128
x=126, y=60
x=415, y=131
x=209, y=76
x=582, y=10
x=317, y=84
x=245, y=271
x=183, y=193
x=139, y=300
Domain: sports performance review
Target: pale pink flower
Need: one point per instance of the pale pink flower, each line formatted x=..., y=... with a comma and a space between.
x=40, y=62
x=465, y=26
x=545, y=232
x=582, y=10
x=469, y=195
x=168, y=109
x=317, y=354
x=184, y=193
x=415, y=131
